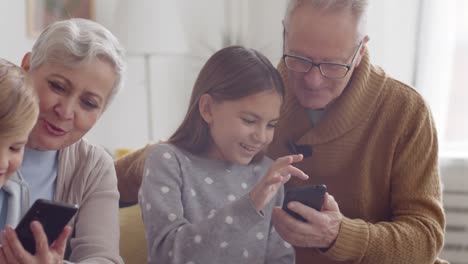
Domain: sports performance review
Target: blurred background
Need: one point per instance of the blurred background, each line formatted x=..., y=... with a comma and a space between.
x=423, y=43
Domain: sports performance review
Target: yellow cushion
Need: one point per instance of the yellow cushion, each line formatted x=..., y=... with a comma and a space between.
x=132, y=236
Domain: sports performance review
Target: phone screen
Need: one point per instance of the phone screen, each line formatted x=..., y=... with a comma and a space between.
x=311, y=196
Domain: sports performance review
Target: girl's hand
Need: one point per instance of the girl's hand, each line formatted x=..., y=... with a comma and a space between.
x=12, y=250
x=279, y=173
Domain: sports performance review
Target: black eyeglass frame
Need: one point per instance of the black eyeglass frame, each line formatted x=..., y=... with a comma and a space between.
x=318, y=65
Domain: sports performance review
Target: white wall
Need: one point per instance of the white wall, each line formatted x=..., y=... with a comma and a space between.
x=13, y=21
x=15, y=42
x=253, y=23
x=392, y=28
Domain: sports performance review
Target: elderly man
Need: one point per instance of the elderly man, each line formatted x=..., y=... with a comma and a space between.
x=368, y=137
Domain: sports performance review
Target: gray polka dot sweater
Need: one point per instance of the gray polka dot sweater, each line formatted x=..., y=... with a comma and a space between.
x=197, y=210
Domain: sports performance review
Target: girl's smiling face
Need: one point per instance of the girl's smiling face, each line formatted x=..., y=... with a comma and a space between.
x=241, y=128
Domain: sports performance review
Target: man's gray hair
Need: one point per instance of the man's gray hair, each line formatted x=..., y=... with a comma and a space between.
x=73, y=41
x=358, y=9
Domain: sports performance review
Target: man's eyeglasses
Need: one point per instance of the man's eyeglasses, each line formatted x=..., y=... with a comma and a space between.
x=327, y=69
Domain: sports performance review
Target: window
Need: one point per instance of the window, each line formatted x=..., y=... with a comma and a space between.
x=442, y=72
x=455, y=137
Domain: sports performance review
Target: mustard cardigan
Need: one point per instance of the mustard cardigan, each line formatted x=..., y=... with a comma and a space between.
x=376, y=149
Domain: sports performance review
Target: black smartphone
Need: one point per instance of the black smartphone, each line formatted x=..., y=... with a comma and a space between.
x=311, y=196
x=53, y=216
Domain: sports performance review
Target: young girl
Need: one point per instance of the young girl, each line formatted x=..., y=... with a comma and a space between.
x=208, y=193
x=18, y=113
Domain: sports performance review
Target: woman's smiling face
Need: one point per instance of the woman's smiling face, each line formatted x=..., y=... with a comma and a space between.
x=71, y=100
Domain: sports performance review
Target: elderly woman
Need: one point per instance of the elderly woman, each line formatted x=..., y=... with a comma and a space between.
x=76, y=67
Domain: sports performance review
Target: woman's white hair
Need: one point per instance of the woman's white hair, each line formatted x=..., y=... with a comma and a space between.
x=357, y=7
x=73, y=41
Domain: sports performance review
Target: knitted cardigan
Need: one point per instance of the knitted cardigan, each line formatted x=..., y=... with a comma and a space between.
x=376, y=150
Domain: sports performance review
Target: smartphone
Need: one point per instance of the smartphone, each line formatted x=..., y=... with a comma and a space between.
x=53, y=216
x=311, y=196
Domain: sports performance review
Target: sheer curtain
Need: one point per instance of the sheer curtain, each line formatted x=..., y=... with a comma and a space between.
x=441, y=76
x=435, y=68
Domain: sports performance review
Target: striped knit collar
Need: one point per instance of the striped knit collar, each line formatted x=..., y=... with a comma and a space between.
x=354, y=105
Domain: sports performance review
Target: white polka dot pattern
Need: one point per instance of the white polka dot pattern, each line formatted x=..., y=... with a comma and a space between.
x=171, y=217
x=223, y=244
x=231, y=198
x=259, y=236
x=212, y=213
x=208, y=180
x=218, y=193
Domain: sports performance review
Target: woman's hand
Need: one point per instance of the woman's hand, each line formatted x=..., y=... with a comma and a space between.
x=12, y=250
x=279, y=173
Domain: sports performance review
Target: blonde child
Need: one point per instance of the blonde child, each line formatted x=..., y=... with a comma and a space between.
x=208, y=193
x=18, y=114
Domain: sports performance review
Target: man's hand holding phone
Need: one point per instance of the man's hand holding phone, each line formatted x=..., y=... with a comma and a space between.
x=320, y=229
x=310, y=217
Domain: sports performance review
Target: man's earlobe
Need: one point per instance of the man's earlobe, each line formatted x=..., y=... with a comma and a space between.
x=25, y=61
x=362, y=51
